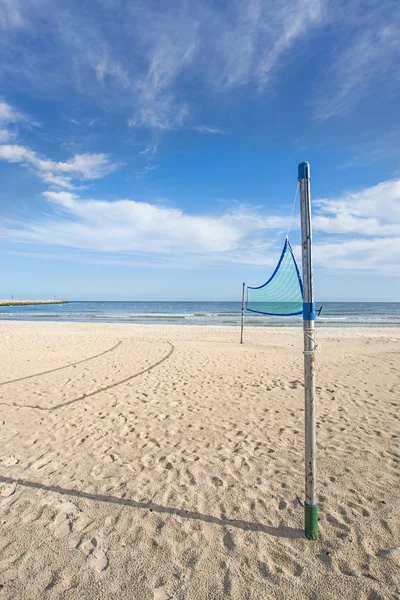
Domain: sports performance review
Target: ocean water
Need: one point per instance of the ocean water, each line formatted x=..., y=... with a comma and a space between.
x=334, y=314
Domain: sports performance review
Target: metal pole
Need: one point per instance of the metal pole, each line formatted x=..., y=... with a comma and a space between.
x=242, y=324
x=310, y=505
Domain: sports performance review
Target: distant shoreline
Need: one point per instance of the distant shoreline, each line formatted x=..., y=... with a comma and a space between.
x=29, y=302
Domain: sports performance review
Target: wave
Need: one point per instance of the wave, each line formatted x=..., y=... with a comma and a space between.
x=204, y=313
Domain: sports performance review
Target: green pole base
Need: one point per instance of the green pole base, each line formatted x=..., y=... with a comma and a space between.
x=311, y=521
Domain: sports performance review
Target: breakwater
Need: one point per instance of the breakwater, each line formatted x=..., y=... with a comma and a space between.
x=29, y=302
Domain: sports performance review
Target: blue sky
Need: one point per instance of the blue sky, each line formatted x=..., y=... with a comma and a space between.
x=149, y=150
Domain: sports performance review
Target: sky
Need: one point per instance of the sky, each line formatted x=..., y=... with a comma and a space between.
x=149, y=149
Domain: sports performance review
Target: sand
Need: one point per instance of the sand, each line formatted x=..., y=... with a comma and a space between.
x=166, y=462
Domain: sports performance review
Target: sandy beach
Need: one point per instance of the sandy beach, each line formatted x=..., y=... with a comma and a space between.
x=166, y=462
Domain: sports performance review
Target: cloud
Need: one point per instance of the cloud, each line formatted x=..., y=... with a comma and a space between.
x=87, y=166
x=16, y=154
x=374, y=255
x=146, y=170
x=145, y=61
x=150, y=151
x=83, y=167
x=260, y=35
x=8, y=117
x=361, y=229
x=161, y=63
x=10, y=14
x=129, y=226
x=374, y=211
x=364, y=61
x=5, y=136
x=64, y=199
x=163, y=114
x=218, y=49
x=6, y=112
x=208, y=129
x=357, y=231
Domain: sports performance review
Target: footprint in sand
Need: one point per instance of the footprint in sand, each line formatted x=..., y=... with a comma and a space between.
x=160, y=593
x=9, y=461
x=7, y=489
x=62, y=526
x=62, y=522
x=108, y=459
x=97, y=558
x=391, y=554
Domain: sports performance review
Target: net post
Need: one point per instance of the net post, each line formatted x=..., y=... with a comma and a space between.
x=310, y=504
x=242, y=322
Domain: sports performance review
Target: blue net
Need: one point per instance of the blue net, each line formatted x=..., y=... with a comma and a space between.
x=282, y=294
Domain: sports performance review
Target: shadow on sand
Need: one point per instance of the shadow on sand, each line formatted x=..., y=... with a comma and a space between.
x=281, y=531
x=61, y=368
x=90, y=394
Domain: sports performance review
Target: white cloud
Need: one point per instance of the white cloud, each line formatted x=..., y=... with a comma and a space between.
x=65, y=199
x=221, y=49
x=130, y=226
x=375, y=255
x=108, y=68
x=361, y=229
x=9, y=117
x=15, y=154
x=164, y=114
x=366, y=58
x=6, y=112
x=146, y=170
x=150, y=151
x=87, y=166
x=83, y=167
x=357, y=231
x=146, y=59
x=5, y=136
x=207, y=129
x=10, y=14
x=374, y=212
x=258, y=38
x=56, y=180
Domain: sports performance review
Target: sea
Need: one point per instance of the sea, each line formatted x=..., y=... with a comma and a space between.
x=333, y=314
